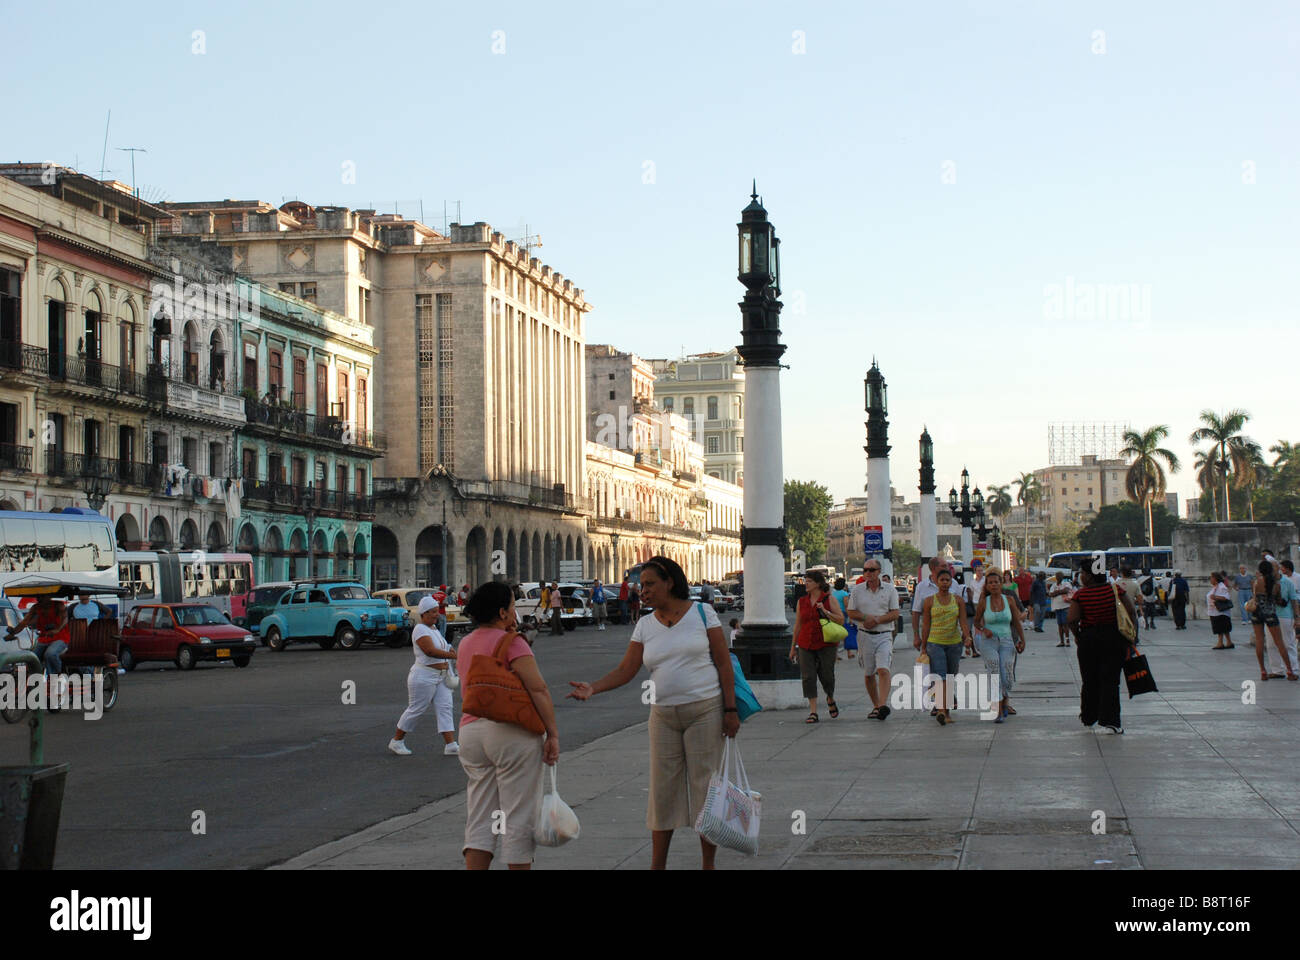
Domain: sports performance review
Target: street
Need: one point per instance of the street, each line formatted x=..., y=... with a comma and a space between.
x=271, y=755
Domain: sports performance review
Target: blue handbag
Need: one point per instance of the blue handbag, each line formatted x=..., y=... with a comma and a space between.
x=746, y=703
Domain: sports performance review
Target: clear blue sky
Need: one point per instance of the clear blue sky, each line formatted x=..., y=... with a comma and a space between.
x=1110, y=168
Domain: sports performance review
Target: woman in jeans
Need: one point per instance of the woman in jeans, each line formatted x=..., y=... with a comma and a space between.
x=1102, y=648
x=1000, y=623
x=1267, y=596
x=502, y=761
x=816, y=658
x=943, y=629
x=693, y=701
x=1219, y=604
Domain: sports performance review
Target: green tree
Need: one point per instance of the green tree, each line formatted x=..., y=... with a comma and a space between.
x=1229, y=443
x=1030, y=492
x=1063, y=536
x=807, y=507
x=1253, y=475
x=1145, y=480
x=1279, y=498
x=1286, y=452
x=906, y=559
x=1124, y=525
x=999, y=500
x=1209, y=471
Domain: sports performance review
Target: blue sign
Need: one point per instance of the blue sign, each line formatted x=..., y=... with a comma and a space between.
x=873, y=540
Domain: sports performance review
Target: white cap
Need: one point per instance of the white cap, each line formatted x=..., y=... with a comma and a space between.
x=427, y=604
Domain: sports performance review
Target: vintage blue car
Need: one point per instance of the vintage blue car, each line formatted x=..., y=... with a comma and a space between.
x=333, y=612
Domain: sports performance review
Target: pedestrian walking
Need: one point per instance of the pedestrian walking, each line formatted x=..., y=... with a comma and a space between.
x=1149, y=597
x=1041, y=602
x=426, y=683
x=634, y=602
x=841, y=595
x=925, y=588
x=898, y=622
x=944, y=628
x=556, y=600
x=1218, y=603
x=1286, y=611
x=624, y=592
x=1060, y=593
x=1179, y=592
x=693, y=701
x=815, y=657
x=1244, y=584
x=1024, y=588
x=1000, y=626
x=598, y=605
x=1267, y=595
x=502, y=761
x=1102, y=649
x=874, y=606
x=1128, y=583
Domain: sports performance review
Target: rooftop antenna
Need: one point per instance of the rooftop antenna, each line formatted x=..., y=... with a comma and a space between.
x=529, y=240
x=133, y=151
x=105, y=150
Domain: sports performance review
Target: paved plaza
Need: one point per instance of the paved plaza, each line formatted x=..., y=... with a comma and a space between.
x=1199, y=780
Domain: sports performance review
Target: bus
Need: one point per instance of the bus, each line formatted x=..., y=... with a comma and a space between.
x=74, y=543
x=224, y=580
x=1143, y=560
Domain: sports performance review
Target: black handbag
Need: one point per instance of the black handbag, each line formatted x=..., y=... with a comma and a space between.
x=1221, y=604
x=1137, y=674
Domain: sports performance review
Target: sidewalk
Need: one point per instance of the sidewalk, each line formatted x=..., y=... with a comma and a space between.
x=1199, y=781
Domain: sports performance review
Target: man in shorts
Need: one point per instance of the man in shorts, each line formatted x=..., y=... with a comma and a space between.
x=598, y=608
x=873, y=606
x=1059, y=593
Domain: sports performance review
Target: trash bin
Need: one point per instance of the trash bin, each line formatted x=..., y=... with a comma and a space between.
x=31, y=799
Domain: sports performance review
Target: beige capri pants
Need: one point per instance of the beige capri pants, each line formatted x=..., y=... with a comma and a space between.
x=685, y=751
x=503, y=764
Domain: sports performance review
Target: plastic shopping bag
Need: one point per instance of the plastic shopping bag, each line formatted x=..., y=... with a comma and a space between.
x=557, y=824
x=731, y=809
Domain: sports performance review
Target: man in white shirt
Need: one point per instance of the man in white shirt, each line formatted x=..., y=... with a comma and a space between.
x=1059, y=592
x=874, y=607
x=924, y=588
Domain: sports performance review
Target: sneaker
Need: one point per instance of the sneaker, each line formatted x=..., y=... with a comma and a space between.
x=452, y=749
x=399, y=748
x=1113, y=728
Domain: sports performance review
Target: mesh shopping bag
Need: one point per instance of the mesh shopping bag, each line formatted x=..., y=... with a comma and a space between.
x=730, y=815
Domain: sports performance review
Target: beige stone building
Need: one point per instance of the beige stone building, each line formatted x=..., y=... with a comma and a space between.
x=1075, y=492
x=708, y=389
x=480, y=386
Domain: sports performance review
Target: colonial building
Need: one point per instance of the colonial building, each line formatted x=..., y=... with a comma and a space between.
x=708, y=389
x=480, y=379
x=1075, y=492
x=845, y=522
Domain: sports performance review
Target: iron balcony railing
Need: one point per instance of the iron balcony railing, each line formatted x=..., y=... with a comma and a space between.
x=74, y=466
x=296, y=497
x=291, y=419
x=15, y=457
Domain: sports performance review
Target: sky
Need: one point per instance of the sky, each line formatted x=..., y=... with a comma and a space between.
x=1027, y=213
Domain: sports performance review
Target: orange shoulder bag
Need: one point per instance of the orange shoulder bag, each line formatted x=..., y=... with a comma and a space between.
x=491, y=690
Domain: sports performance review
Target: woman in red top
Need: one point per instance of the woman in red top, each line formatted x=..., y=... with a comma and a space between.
x=1102, y=649
x=816, y=659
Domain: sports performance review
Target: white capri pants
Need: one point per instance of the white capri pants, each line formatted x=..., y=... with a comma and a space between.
x=424, y=686
x=1271, y=657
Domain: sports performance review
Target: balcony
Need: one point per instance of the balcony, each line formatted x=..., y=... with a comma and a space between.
x=73, y=466
x=295, y=497
x=190, y=399
x=16, y=458
x=280, y=418
x=648, y=528
x=112, y=381
x=724, y=532
x=688, y=475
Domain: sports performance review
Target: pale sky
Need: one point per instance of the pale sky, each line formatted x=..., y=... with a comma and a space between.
x=932, y=170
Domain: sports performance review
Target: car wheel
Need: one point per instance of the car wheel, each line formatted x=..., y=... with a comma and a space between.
x=110, y=687
x=347, y=638
x=185, y=659
x=400, y=638
x=126, y=659
x=325, y=643
x=274, y=639
x=243, y=661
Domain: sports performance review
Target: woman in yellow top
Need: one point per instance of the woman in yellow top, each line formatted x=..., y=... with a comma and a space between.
x=943, y=628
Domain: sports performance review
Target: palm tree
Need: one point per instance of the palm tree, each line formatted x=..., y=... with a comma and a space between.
x=1209, y=470
x=1030, y=493
x=1254, y=474
x=1286, y=451
x=999, y=500
x=1145, y=480
x=1225, y=433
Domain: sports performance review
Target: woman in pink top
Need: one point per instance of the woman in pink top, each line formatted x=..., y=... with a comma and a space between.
x=502, y=761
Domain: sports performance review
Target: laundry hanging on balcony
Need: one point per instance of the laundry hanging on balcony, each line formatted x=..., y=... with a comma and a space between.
x=234, y=490
x=174, y=478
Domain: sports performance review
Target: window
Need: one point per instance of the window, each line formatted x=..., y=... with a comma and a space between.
x=611, y=394
x=713, y=408
x=362, y=420
x=300, y=382
x=250, y=366
x=688, y=407
x=309, y=292
x=250, y=463
x=189, y=453
x=361, y=481
x=11, y=318
x=275, y=374
x=341, y=401
x=322, y=390
x=216, y=468
x=668, y=404
x=299, y=466
x=711, y=445
x=288, y=288
x=341, y=478
x=611, y=376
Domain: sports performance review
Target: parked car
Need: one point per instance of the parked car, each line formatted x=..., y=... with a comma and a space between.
x=9, y=617
x=408, y=598
x=721, y=602
x=575, y=608
x=183, y=633
x=334, y=612
x=260, y=602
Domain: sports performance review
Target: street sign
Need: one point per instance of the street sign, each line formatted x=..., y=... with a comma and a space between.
x=570, y=569
x=873, y=540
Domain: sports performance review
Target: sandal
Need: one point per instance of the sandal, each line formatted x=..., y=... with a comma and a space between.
x=942, y=718
x=1011, y=711
x=874, y=714
x=1061, y=644
x=1231, y=646
x=812, y=718
x=833, y=708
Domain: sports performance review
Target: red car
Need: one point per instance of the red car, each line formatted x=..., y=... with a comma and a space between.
x=184, y=633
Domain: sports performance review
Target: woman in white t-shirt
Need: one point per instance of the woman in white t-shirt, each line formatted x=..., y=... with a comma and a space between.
x=693, y=701
x=426, y=683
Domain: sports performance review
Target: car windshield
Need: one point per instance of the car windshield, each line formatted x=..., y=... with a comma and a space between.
x=197, y=616
x=413, y=597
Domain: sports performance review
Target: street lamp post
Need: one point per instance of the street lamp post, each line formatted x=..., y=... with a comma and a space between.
x=929, y=533
x=309, y=514
x=966, y=508
x=877, y=448
x=96, y=484
x=765, y=638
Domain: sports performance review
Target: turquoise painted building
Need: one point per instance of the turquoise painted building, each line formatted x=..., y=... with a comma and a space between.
x=307, y=452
